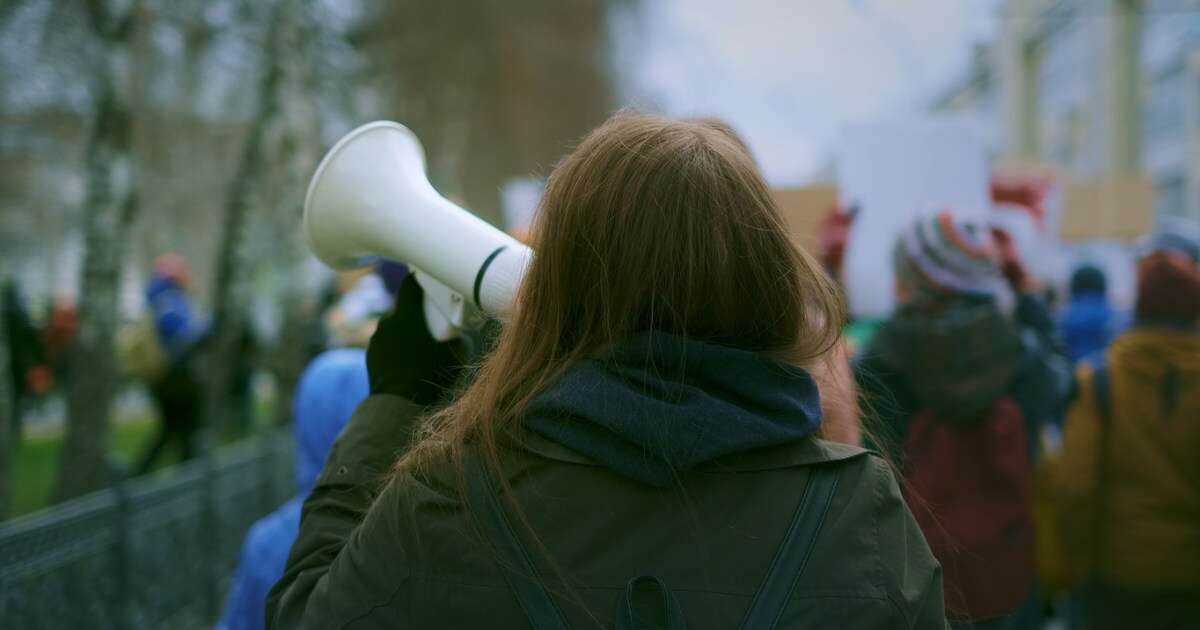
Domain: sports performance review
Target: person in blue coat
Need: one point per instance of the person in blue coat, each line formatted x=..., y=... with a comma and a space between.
x=1088, y=322
x=176, y=389
x=330, y=389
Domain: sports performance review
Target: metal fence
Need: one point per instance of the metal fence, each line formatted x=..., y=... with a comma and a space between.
x=151, y=552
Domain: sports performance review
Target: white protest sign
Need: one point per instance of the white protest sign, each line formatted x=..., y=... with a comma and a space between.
x=895, y=172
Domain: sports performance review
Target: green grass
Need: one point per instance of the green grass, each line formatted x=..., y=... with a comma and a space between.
x=35, y=461
x=34, y=468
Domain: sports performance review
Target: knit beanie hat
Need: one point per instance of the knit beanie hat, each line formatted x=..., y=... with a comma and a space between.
x=941, y=255
x=1087, y=279
x=1177, y=241
x=1169, y=280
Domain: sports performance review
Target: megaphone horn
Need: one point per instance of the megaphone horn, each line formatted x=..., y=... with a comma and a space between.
x=370, y=198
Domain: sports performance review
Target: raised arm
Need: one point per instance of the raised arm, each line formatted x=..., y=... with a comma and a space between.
x=328, y=580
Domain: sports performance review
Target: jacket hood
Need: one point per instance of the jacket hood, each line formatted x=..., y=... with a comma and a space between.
x=957, y=359
x=329, y=390
x=660, y=404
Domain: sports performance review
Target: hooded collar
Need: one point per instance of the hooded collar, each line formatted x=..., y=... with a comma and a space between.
x=327, y=394
x=660, y=404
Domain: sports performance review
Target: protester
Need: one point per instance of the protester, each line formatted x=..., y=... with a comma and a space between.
x=960, y=378
x=329, y=390
x=167, y=358
x=62, y=322
x=646, y=418
x=1129, y=479
x=1088, y=323
x=353, y=318
x=27, y=362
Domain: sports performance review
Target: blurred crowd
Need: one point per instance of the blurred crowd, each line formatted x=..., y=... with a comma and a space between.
x=1046, y=449
x=163, y=350
x=1046, y=446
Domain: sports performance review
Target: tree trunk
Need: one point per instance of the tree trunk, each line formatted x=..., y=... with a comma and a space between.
x=300, y=150
x=231, y=280
x=290, y=355
x=109, y=211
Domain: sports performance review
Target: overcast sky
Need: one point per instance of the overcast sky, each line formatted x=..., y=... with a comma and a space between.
x=789, y=73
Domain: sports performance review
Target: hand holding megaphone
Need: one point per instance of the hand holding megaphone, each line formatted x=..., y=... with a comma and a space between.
x=370, y=198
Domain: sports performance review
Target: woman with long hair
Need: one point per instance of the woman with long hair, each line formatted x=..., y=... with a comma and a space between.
x=640, y=444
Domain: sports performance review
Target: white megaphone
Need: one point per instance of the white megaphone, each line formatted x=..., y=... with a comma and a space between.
x=370, y=198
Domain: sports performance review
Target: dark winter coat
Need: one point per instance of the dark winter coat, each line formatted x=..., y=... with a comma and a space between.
x=741, y=451
x=957, y=360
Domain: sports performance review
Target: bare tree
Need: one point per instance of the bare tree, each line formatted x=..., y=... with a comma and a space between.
x=233, y=264
x=110, y=208
x=297, y=144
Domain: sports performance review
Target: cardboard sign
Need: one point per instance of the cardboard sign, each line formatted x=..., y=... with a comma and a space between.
x=895, y=173
x=1114, y=208
x=803, y=209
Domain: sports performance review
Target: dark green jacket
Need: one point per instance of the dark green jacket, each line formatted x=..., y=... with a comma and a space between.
x=406, y=556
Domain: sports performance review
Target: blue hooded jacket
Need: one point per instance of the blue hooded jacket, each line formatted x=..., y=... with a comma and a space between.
x=330, y=389
x=177, y=325
x=1087, y=324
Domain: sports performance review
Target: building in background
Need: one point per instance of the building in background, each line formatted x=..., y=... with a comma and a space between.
x=1171, y=111
x=975, y=95
x=1097, y=87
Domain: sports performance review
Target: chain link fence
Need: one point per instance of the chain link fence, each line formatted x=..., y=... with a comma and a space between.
x=152, y=552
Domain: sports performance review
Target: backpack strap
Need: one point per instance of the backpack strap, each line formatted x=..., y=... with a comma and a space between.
x=765, y=609
x=515, y=561
x=1100, y=392
x=1101, y=395
x=776, y=589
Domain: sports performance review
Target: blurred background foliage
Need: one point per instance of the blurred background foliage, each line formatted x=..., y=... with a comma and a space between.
x=132, y=128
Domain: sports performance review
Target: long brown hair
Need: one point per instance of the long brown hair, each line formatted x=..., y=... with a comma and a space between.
x=650, y=224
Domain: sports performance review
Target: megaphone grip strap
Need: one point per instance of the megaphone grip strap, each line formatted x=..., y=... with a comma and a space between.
x=487, y=262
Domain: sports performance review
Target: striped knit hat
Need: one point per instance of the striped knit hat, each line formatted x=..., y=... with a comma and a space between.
x=940, y=255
